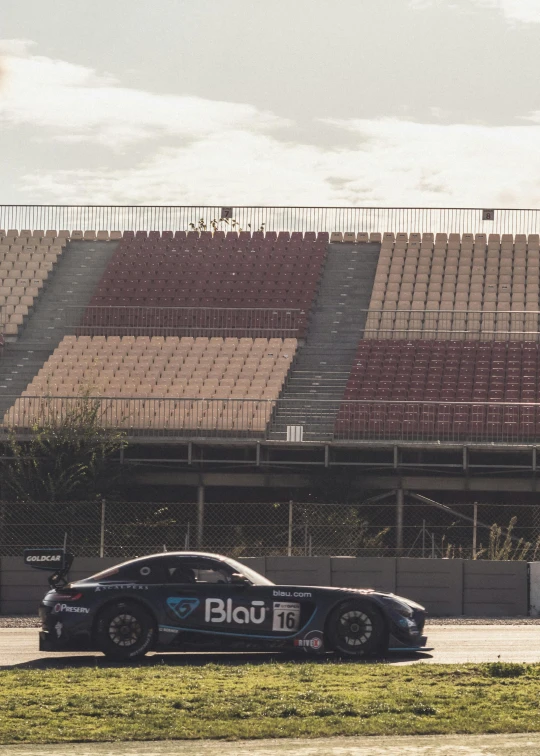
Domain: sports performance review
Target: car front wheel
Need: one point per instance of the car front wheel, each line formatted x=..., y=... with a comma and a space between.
x=125, y=631
x=357, y=629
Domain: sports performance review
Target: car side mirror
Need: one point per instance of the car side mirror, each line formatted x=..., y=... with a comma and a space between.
x=238, y=579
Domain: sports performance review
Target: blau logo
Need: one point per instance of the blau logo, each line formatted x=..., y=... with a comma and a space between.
x=182, y=606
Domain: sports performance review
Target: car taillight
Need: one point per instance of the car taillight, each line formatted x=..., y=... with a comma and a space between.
x=64, y=596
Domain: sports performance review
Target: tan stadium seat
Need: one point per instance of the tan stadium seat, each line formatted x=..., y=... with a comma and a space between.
x=198, y=369
x=457, y=273
x=336, y=237
x=23, y=269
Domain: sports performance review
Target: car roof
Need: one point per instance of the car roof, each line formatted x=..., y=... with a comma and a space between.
x=162, y=554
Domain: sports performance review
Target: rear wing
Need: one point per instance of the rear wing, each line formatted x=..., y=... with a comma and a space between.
x=57, y=561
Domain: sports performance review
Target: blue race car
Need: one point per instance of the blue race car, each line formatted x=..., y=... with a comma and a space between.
x=185, y=601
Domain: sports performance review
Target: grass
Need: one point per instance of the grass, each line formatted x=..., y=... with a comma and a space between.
x=265, y=700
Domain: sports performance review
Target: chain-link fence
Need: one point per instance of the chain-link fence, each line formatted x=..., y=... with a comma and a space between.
x=124, y=530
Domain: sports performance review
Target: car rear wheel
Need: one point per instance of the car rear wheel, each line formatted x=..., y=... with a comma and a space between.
x=125, y=631
x=357, y=629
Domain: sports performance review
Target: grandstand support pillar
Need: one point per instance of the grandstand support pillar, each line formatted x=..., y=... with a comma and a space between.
x=200, y=516
x=399, y=520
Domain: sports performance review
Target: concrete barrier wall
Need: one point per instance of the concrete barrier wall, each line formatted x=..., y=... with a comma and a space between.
x=495, y=589
x=446, y=587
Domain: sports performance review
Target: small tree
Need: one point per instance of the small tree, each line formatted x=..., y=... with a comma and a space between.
x=66, y=458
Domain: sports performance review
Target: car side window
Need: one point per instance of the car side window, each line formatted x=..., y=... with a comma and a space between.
x=193, y=571
x=151, y=571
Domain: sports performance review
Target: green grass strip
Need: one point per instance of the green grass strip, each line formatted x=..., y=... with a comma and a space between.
x=269, y=700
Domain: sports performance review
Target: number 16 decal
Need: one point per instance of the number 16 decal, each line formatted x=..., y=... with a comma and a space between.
x=286, y=617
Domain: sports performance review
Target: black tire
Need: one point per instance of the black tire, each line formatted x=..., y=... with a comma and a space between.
x=356, y=629
x=125, y=631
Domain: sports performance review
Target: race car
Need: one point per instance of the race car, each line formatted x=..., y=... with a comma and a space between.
x=181, y=601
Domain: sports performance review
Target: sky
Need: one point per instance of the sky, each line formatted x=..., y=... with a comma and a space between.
x=288, y=102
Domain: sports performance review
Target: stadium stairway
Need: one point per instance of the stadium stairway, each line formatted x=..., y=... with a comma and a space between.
x=323, y=364
x=72, y=285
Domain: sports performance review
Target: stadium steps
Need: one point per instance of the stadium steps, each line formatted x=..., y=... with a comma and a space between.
x=323, y=364
x=71, y=285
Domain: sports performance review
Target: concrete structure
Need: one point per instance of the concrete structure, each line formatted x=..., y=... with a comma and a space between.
x=447, y=587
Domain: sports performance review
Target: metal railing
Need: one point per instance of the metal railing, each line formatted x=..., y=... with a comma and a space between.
x=361, y=421
x=3, y=322
x=185, y=321
x=149, y=417
x=438, y=422
x=474, y=325
x=127, y=529
x=160, y=218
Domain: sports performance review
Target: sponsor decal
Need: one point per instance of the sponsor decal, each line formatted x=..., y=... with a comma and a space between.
x=286, y=617
x=182, y=606
x=121, y=587
x=278, y=593
x=166, y=629
x=60, y=608
x=45, y=558
x=312, y=641
x=145, y=571
x=58, y=627
x=219, y=611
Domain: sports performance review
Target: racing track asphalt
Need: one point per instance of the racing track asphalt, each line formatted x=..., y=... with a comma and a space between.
x=426, y=745
x=452, y=644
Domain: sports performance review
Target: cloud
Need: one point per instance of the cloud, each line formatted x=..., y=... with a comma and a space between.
x=395, y=163
x=188, y=150
x=74, y=103
x=524, y=11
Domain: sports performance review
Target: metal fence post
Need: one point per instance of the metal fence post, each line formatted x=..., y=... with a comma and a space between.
x=289, y=545
x=475, y=529
x=399, y=519
x=102, y=531
x=200, y=516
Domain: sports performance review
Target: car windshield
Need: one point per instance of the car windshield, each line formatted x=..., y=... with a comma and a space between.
x=251, y=575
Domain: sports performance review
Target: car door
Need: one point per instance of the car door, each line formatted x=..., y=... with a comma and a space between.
x=201, y=596
x=206, y=595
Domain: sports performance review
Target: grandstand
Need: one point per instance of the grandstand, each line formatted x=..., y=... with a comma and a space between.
x=398, y=348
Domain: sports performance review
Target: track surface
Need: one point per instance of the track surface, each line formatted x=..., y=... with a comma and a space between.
x=452, y=644
x=427, y=745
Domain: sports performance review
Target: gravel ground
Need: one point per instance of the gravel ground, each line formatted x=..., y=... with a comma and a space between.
x=24, y=620
x=483, y=621
x=33, y=621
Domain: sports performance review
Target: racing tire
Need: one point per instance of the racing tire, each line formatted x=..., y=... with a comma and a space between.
x=125, y=631
x=356, y=629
